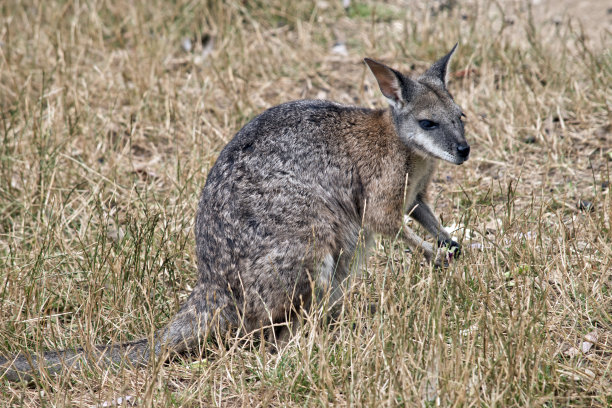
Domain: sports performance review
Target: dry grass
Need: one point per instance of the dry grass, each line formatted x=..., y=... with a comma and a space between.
x=108, y=128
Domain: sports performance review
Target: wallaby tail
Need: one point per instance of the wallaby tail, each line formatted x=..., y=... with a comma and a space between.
x=185, y=330
x=23, y=367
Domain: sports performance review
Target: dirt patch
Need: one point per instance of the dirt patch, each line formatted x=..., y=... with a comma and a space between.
x=595, y=17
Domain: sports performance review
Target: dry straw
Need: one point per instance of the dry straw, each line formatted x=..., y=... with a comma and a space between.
x=112, y=113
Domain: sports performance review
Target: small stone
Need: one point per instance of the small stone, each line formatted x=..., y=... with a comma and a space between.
x=186, y=44
x=572, y=352
x=592, y=337
x=340, y=49
x=589, y=374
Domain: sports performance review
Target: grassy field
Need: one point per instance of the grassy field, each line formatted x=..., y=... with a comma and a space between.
x=112, y=113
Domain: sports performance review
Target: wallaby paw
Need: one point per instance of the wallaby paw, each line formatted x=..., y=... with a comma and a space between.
x=448, y=251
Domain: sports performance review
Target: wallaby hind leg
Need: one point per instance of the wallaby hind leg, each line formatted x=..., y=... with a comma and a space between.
x=282, y=335
x=285, y=329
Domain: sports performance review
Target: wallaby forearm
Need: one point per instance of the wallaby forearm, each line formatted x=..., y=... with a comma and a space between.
x=421, y=212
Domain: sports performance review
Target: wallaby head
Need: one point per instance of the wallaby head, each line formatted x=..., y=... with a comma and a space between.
x=425, y=114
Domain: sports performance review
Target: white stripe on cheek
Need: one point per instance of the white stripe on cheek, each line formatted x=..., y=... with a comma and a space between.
x=428, y=145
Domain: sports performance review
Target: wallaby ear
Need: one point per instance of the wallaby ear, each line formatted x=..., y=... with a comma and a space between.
x=389, y=81
x=439, y=68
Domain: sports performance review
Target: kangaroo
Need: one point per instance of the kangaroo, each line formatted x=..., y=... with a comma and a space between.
x=287, y=205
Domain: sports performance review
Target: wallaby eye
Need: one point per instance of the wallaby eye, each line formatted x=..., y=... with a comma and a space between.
x=427, y=124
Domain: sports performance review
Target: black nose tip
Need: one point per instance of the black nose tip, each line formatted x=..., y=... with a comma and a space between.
x=463, y=150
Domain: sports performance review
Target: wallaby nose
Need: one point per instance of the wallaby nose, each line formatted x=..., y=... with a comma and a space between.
x=463, y=150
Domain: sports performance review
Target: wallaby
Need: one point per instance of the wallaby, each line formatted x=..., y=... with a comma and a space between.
x=287, y=204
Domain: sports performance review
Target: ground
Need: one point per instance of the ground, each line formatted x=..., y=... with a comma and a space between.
x=112, y=113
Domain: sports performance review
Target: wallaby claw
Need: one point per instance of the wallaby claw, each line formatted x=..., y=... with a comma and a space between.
x=451, y=246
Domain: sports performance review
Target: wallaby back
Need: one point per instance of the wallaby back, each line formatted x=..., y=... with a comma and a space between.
x=289, y=202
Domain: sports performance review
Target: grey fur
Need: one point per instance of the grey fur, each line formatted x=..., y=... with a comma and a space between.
x=289, y=202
